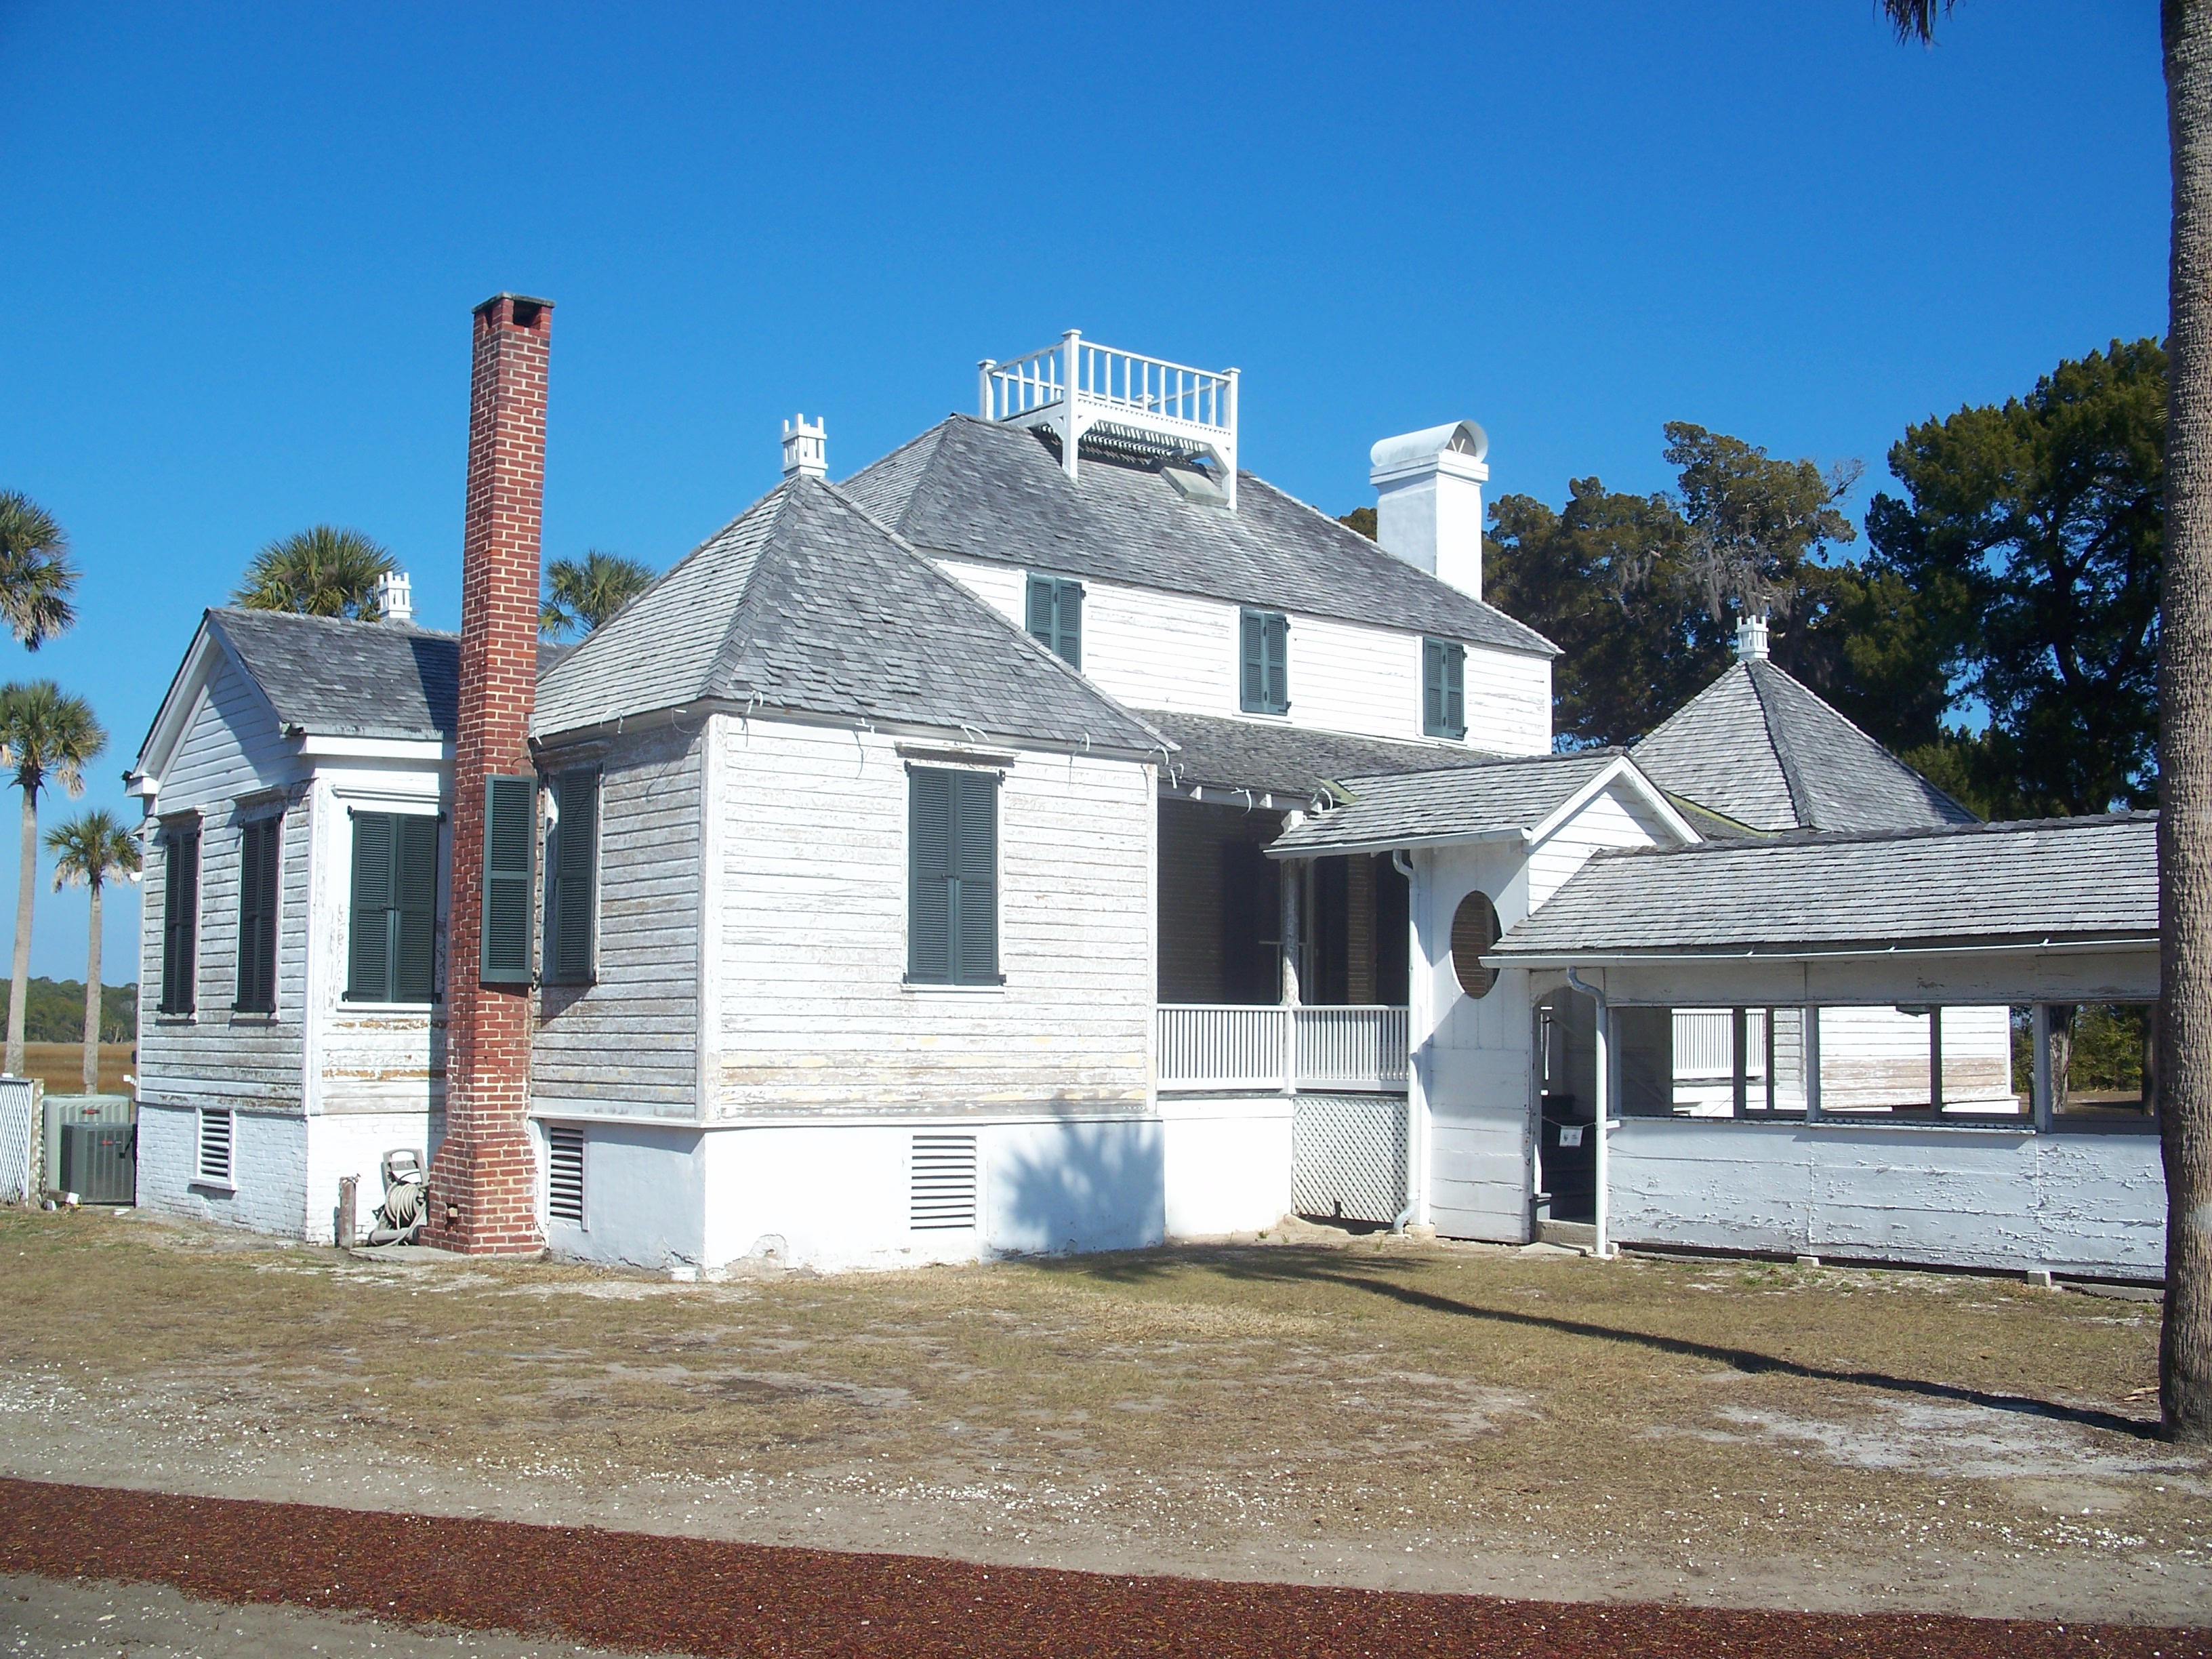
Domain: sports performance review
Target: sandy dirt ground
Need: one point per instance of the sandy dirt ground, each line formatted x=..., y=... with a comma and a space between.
x=1312, y=1409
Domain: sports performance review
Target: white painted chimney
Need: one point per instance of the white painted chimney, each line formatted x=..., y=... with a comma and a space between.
x=1428, y=509
x=1751, y=638
x=805, y=452
x=395, y=597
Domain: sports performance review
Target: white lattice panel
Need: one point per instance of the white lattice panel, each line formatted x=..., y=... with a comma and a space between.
x=1348, y=1156
x=17, y=1104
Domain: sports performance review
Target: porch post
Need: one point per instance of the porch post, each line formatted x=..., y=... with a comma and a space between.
x=1812, y=1063
x=1739, y=1050
x=1935, y=1058
x=2039, y=1098
x=1601, y=1209
x=1292, y=887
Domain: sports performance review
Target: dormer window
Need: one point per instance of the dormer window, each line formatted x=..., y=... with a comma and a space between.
x=1443, y=689
x=1055, y=617
x=1265, y=681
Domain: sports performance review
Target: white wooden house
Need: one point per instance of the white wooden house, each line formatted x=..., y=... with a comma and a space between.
x=1051, y=837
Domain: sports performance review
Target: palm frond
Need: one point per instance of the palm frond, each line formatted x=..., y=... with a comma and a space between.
x=36, y=576
x=47, y=734
x=90, y=847
x=582, y=594
x=1915, y=20
x=324, y=570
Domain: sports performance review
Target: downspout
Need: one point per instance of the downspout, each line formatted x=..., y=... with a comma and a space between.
x=1601, y=1209
x=1416, y=1096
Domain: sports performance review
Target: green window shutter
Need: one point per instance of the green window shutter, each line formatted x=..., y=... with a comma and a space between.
x=415, y=908
x=180, y=903
x=1055, y=608
x=1455, y=690
x=929, y=876
x=572, y=852
x=256, y=917
x=1443, y=689
x=1276, y=635
x=974, y=881
x=510, y=829
x=369, y=931
x=1253, y=692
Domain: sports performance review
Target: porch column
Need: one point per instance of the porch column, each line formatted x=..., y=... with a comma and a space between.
x=1601, y=1209
x=1292, y=888
x=1812, y=1065
x=2039, y=1098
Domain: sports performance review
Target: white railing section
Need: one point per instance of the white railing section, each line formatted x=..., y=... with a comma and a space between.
x=1148, y=398
x=1207, y=1046
x=1704, y=1044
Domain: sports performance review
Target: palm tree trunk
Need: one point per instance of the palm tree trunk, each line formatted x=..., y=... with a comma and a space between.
x=92, y=999
x=2185, y=834
x=25, y=888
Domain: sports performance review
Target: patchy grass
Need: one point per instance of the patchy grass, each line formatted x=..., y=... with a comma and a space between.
x=1272, y=1398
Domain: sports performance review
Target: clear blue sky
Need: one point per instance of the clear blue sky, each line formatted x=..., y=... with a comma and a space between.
x=243, y=245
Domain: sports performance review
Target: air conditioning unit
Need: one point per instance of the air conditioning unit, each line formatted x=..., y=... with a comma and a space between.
x=100, y=1162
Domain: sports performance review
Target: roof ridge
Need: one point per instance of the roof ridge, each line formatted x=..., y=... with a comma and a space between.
x=257, y=613
x=1918, y=832
x=1896, y=761
x=1785, y=754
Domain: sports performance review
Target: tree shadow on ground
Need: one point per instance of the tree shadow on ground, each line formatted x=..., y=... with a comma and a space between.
x=1383, y=1276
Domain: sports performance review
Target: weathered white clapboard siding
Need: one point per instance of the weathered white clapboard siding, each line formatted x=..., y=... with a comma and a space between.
x=1157, y=650
x=811, y=914
x=628, y=1042
x=1614, y=817
x=373, y=1058
x=1991, y=1198
x=232, y=750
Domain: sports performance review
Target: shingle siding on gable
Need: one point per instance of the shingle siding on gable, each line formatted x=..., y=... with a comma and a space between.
x=814, y=1017
x=631, y=1039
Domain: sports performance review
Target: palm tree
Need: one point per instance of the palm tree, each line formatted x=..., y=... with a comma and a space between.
x=582, y=594
x=322, y=570
x=36, y=575
x=47, y=736
x=89, y=848
x=2185, y=784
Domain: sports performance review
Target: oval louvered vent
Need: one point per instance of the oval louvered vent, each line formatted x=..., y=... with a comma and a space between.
x=941, y=1184
x=564, y=1177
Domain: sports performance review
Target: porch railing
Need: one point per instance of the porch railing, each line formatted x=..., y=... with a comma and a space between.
x=1209, y=1045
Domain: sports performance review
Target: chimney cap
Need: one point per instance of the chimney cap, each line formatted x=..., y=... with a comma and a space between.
x=1454, y=446
x=506, y=305
x=395, y=598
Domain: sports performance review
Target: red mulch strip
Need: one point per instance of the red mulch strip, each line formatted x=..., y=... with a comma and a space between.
x=650, y=1594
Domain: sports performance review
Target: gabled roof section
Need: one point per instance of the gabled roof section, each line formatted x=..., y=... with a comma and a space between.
x=1266, y=758
x=1526, y=797
x=1759, y=747
x=805, y=604
x=330, y=677
x=2054, y=881
x=973, y=490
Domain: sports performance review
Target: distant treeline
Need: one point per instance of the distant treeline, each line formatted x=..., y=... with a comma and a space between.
x=54, y=1011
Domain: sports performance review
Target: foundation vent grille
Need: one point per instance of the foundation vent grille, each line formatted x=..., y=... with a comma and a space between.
x=564, y=1177
x=215, y=1145
x=941, y=1184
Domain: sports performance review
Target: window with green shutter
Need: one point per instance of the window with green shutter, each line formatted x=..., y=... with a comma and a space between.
x=1055, y=617
x=1443, y=689
x=181, y=913
x=1265, y=680
x=392, y=947
x=256, y=916
x=510, y=835
x=571, y=875
x=952, y=877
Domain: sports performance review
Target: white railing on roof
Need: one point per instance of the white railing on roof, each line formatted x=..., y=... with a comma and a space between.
x=1180, y=409
x=1209, y=1045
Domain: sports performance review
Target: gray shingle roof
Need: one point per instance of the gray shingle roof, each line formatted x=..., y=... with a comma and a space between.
x=332, y=677
x=1759, y=747
x=1404, y=808
x=1270, y=758
x=2053, y=878
x=806, y=604
x=974, y=489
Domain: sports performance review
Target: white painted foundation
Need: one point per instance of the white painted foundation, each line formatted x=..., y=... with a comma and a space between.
x=1227, y=1164
x=1999, y=1199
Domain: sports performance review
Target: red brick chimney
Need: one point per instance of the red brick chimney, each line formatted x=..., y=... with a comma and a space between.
x=484, y=1182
